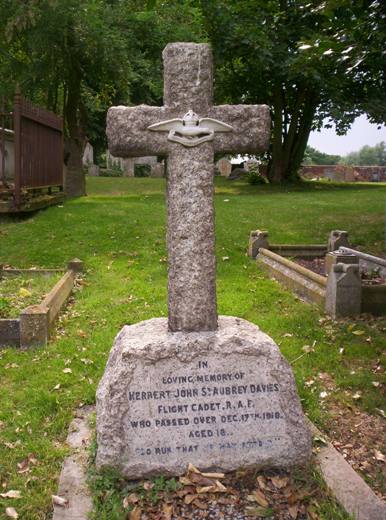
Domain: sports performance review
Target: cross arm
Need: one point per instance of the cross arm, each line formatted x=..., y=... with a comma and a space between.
x=128, y=134
x=251, y=128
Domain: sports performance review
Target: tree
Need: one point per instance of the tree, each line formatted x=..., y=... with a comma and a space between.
x=307, y=60
x=314, y=156
x=77, y=57
x=367, y=156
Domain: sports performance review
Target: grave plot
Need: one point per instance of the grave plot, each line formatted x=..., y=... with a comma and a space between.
x=30, y=301
x=344, y=281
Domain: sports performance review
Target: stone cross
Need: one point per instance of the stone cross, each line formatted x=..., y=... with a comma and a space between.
x=189, y=147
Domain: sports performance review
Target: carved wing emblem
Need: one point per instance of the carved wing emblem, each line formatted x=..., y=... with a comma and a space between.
x=191, y=131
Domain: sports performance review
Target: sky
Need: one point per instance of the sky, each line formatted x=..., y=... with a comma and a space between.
x=360, y=134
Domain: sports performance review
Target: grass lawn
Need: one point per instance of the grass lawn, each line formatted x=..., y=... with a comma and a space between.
x=19, y=291
x=119, y=233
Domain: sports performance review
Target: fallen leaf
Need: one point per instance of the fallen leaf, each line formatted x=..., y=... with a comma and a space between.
x=130, y=499
x=11, y=512
x=279, y=482
x=225, y=258
x=258, y=511
x=193, y=469
x=262, y=482
x=375, y=383
x=260, y=498
x=135, y=514
x=189, y=499
x=167, y=510
x=379, y=456
x=24, y=293
x=198, y=503
x=67, y=371
x=213, y=475
x=307, y=349
x=293, y=511
x=357, y=395
x=358, y=332
x=12, y=493
x=59, y=501
x=148, y=485
x=323, y=395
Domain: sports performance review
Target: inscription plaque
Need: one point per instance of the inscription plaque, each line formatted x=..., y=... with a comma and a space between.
x=222, y=399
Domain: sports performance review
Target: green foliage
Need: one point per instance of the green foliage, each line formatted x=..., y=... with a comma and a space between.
x=254, y=177
x=78, y=57
x=142, y=170
x=314, y=156
x=367, y=156
x=308, y=60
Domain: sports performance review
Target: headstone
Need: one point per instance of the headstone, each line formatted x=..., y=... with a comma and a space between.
x=88, y=155
x=336, y=239
x=216, y=393
x=257, y=239
x=344, y=291
x=224, y=167
x=157, y=170
x=93, y=170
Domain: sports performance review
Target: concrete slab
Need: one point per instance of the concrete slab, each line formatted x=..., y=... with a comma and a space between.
x=73, y=478
x=350, y=490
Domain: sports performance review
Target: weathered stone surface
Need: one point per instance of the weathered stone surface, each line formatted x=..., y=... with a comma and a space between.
x=257, y=239
x=190, y=239
x=188, y=77
x=191, y=243
x=219, y=399
x=344, y=291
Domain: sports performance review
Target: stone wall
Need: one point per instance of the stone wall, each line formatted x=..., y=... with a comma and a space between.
x=342, y=173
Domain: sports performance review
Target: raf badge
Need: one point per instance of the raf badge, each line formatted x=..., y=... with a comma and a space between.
x=191, y=131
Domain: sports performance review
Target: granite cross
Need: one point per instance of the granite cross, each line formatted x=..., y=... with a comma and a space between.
x=197, y=130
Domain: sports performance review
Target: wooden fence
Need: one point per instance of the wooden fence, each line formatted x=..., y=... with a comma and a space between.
x=38, y=155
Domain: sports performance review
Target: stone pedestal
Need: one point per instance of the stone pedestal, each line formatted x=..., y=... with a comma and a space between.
x=34, y=326
x=219, y=399
x=344, y=291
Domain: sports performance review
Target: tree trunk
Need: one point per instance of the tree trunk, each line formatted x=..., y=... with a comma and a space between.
x=75, y=180
x=289, y=145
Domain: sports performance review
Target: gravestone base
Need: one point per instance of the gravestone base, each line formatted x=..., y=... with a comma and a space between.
x=220, y=400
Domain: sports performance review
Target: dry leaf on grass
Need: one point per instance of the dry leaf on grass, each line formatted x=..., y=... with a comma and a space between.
x=279, y=482
x=130, y=499
x=261, y=512
x=379, y=456
x=11, y=512
x=12, y=493
x=135, y=514
x=167, y=510
x=293, y=511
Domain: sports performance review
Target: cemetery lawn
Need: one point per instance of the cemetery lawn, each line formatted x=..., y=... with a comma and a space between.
x=119, y=233
x=19, y=291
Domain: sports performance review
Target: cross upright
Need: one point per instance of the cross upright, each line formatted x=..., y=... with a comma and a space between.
x=197, y=130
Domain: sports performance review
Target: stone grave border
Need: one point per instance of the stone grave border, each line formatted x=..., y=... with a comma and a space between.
x=35, y=322
x=344, y=483
x=305, y=283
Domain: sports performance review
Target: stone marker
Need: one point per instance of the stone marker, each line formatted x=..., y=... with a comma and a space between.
x=257, y=239
x=224, y=167
x=336, y=239
x=344, y=290
x=216, y=393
